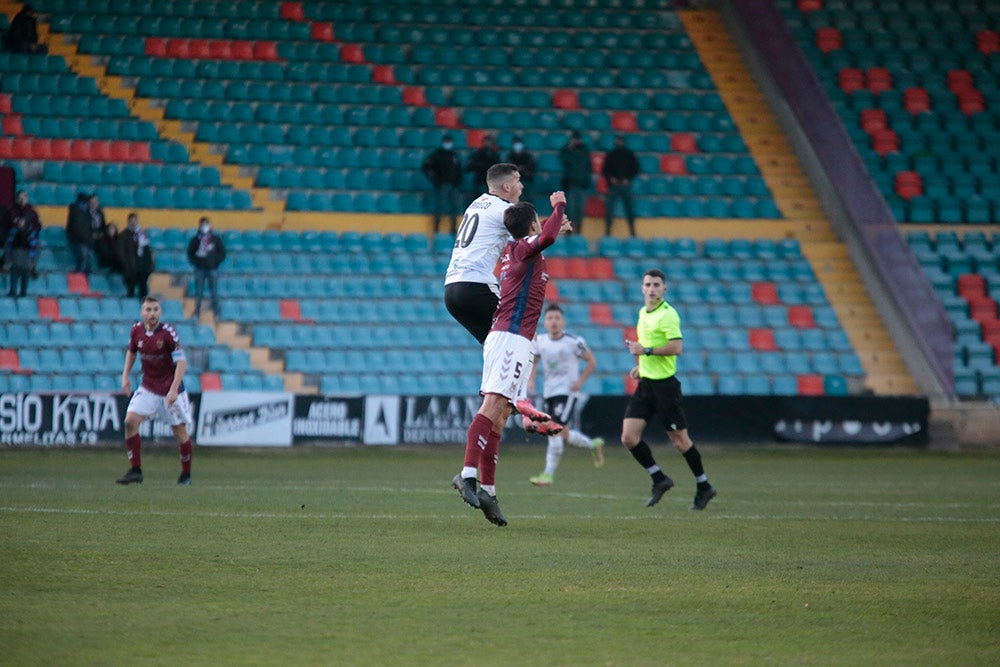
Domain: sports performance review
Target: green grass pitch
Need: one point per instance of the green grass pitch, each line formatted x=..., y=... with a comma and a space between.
x=364, y=556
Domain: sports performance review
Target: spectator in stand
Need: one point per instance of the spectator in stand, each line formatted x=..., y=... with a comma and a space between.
x=526, y=166
x=22, y=36
x=135, y=257
x=480, y=162
x=577, y=177
x=21, y=251
x=107, y=249
x=98, y=223
x=621, y=166
x=206, y=252
x=443, y=169
x=80, y=235
x=20, y=209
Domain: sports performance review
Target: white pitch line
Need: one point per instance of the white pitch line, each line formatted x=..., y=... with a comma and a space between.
x=700, y=516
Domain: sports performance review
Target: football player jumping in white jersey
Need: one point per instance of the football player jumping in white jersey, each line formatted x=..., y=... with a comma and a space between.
x=471, y=287
x=560, y=354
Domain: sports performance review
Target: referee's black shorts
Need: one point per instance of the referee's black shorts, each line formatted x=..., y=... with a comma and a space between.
x=473, y=306
x=658, y=397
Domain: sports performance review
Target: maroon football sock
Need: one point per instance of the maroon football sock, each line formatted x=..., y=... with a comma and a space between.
x=476, y=440
x=186, y=450
x=134, y=445
x=488, y=465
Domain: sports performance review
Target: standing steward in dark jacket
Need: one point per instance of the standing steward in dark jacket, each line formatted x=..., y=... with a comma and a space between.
x=621, y=166
x=206, y=252
x=136, y=257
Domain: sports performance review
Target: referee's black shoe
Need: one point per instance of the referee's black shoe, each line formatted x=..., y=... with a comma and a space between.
x=659, y=488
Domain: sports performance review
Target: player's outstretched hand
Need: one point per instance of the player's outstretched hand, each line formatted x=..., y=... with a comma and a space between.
x=557, y=197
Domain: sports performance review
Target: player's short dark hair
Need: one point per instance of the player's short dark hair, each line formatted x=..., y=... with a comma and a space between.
x=150, y=299
x=518, y=219
x=656, y=273
x=554, y=306
x=499, y=173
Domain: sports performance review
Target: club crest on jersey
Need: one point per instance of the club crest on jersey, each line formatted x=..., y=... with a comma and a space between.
x=159, y=344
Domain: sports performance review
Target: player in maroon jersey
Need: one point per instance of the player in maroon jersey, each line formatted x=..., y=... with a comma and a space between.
x=162, y=392
x=507, y=354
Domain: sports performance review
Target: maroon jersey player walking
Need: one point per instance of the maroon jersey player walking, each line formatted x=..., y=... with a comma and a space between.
x=162, y=392
x=507, y=354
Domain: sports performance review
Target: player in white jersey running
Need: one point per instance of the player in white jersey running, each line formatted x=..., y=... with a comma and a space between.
x=471, y=287
x=560, y=354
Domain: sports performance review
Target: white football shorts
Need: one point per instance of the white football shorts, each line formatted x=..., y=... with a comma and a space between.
x=507, y=362
x=146, y=403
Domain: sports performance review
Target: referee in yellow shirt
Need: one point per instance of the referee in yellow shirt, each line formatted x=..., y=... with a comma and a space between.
x=659, y=391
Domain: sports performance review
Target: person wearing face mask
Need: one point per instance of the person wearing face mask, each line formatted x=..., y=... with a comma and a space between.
x=136, y=257
x=526, y=165
x=443, y=169
x=206, y=252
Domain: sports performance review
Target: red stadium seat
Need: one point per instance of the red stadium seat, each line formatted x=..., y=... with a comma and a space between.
x=79, y=149
x=210, y=381
x=119, y=151
x=6, y=147
x=156, y=46
x=970, y=283
x=624, y=121
x=446, y=117
x=916, y=100
x=879, y=79
x=765, y=293
x=631, y=384
x=200, y=49
x=801, y=317
x=558, y=267
x=9, y=360
x=11, y=125
x=138, y=151
x=673, y=164
x=5, y=103
x=851, y=79
x=414, y=96
x=577, y=268
x=322, y=31
x=602, y=185
x=885, y=141
x=242, y=49
x=682, y=142
x=221, y=49
x=874, y=119
x=806, y=6
x=829, y=39
x=41, y=148
x=988, y=42
x=78, y=283
x=811, y=385
x=60, y=149
x=908, y=184
x=762, y=339
x=601, y=268
x=290, y=309
x=100, y=150
x=265, y=51
x=48, y=306
x=600, y=313
x=292, y=11
x=565, y=99
x=178, y=47
x=383, y=74
x=21, y=148
x=352, y=53
x=474, y=137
